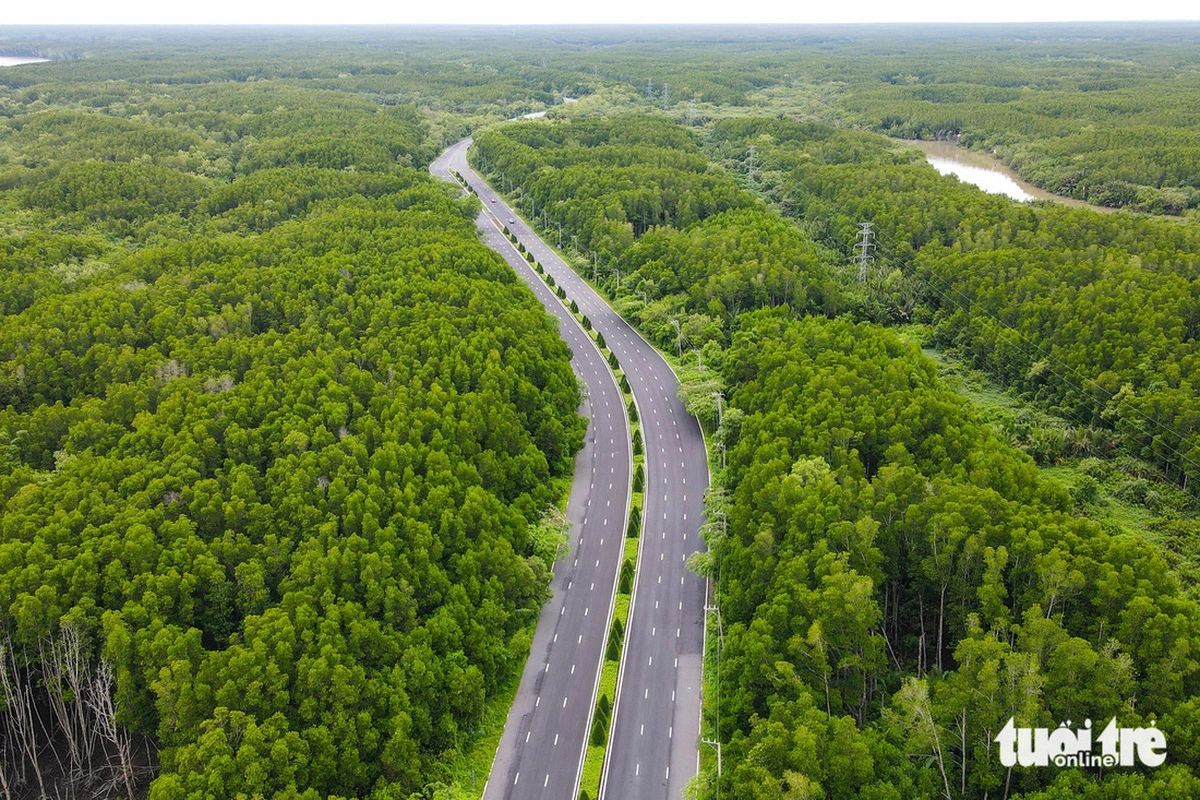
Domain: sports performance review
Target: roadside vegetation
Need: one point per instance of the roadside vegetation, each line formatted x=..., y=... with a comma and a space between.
x=277, y=440
x=896, y=575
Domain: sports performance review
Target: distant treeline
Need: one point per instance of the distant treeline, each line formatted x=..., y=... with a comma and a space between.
x=1103, y=112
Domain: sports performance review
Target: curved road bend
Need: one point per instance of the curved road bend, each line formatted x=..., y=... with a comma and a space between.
x=654, y=748
x=542, y=747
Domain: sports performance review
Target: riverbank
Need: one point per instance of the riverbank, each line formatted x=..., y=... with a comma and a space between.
x=988, y=173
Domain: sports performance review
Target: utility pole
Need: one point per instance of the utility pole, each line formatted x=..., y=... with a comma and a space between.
x=750, y=172
x=666, y=95
x=650, y=88
x=863, y=247
x=678, y=336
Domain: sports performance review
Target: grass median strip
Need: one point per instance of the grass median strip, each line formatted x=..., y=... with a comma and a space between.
x=599, y=730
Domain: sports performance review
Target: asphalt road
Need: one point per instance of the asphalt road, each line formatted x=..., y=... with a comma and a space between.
x=541, y=751
x=654, y=747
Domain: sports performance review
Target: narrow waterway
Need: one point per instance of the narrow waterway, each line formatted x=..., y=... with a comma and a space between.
x=987, y=173
x=16, y=61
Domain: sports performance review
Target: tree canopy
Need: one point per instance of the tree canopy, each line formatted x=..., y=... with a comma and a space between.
x=276, y=435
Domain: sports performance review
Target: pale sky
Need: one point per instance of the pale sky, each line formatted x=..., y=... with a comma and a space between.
x=17, y=12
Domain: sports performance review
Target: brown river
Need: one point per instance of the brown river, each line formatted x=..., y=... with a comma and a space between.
x=987, y=173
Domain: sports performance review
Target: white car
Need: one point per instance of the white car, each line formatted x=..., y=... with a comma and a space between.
x=493, y=199
x=511, y=221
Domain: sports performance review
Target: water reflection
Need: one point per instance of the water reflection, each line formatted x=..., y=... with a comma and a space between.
x=987, y=173
x=15, y=61
x=990, y=180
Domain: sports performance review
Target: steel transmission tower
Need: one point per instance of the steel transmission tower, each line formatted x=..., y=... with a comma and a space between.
x=862, y=249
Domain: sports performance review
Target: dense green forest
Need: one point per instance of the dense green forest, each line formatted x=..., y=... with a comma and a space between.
x=641, y=201
x=276, y=436
x=277, y=433
x=896, y=582
x=898, y=579
x=1094, y=315
x=1103, y=112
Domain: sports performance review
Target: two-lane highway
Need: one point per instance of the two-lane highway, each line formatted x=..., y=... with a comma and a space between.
x=545, y=736
x=653, y=751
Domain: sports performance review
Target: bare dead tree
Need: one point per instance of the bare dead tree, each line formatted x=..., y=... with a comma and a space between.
x=66, y=680
x=20, y=721
x=104, y=710
x=64, y=705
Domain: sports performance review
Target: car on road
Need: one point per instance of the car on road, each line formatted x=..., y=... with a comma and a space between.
x=493, y=199
x=511, y=221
